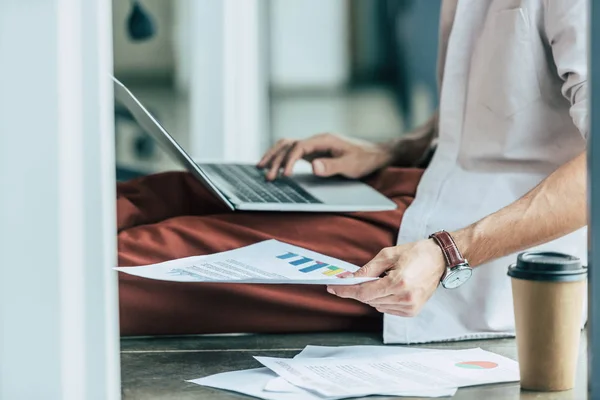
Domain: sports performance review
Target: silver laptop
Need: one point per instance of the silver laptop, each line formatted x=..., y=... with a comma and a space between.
x=244, y=187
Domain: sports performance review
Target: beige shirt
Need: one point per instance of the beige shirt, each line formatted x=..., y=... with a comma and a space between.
x=513, y=108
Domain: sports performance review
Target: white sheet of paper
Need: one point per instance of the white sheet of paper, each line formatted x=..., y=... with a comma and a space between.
x=335, y=377
x=311, y=351
x=281, y=385
x=276, y=386
x=271, y=262
x=253, y=382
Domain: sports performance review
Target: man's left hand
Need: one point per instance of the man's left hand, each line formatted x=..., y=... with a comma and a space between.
x=411, y=273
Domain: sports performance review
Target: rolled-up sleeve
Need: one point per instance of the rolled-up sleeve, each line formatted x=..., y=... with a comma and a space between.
x=566, y=25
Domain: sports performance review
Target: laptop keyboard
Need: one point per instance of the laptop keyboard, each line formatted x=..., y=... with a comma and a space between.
x=248, y=184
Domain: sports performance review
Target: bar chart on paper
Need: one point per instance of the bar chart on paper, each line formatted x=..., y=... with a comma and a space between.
x=269, y=262
x=307, y=265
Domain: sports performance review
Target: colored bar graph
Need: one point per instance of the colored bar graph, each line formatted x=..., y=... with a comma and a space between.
x=286, y=256
x=301, y=261
x=298, y=260
x=332, y=270
x=314, y=267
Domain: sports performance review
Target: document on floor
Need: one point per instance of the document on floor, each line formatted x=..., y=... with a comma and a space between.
x=270, y=262
x=279, y=385
x=252, y=382
x=422, y=372
x=265, y=384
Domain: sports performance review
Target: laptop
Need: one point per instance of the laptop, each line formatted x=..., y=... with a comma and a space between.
x=244, y=187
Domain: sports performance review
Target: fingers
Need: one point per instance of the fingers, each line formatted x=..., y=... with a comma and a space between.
x=404, y=299
x=265, y=161
x=395, y=304
x=364, y=292
x=276, y=161
x=296, y=153
x=382, y=262
x=341, y=165
x=311, y=147
x=286, y=153
x=329, y=166
x=369, y=291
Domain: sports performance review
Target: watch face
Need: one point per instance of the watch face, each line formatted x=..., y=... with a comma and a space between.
x=457, y=277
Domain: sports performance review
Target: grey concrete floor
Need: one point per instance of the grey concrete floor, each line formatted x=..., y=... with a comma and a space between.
x=156, y=368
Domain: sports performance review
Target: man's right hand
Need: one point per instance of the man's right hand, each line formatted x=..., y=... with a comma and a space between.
x=329, y=155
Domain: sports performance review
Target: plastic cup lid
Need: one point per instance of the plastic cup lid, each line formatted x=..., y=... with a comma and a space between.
x=547, y=266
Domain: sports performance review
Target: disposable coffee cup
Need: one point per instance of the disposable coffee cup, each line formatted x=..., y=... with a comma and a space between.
x=548, y=294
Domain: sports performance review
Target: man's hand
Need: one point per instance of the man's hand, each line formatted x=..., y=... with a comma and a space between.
x=329, y=155
x=412, y=272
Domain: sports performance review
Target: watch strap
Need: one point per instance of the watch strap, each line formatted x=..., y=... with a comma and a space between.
x=449, y=249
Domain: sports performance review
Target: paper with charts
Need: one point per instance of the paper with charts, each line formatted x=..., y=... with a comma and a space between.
x=416, y=372
x=270, y=262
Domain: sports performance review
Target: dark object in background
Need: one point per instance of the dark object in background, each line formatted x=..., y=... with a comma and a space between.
x=143, y=145
x=394, y=43
x=413, y=28
x=140, y=24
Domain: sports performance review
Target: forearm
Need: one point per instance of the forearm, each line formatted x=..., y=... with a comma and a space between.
x=408, y=150
x=554, y=208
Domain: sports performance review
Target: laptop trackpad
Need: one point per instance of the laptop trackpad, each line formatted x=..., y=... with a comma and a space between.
x=342, y=191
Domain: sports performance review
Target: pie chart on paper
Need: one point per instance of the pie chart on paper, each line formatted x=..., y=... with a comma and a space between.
x=476, y=364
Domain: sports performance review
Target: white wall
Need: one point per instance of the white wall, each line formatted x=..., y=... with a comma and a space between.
x=222, y=62
x=310, y=43
x=58, y=297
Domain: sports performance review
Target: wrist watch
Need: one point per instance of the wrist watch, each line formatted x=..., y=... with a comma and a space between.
x=458, y=270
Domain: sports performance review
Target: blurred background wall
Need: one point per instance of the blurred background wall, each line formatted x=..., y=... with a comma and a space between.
x=149, y=60
x=228, y=78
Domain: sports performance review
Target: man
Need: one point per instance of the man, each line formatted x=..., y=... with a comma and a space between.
x=509, y=174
